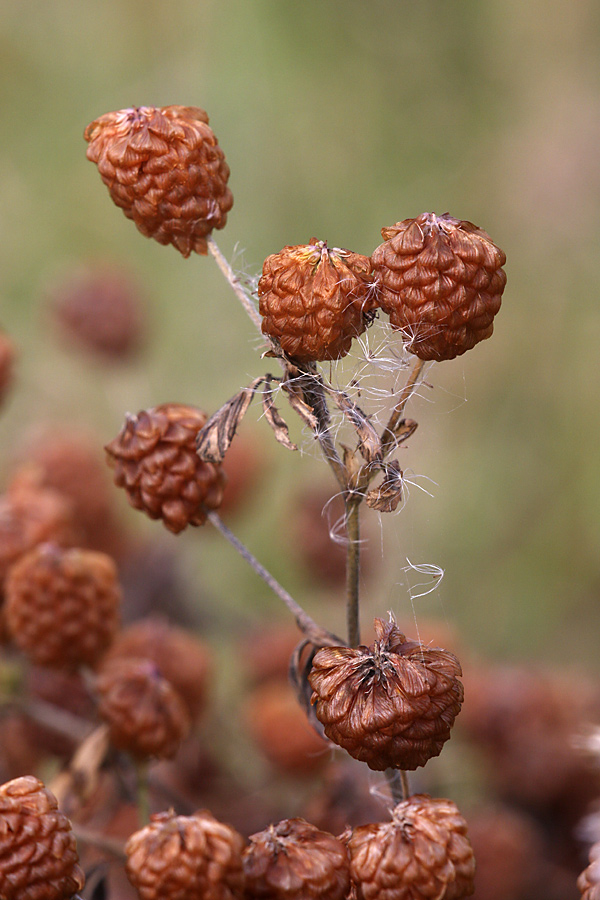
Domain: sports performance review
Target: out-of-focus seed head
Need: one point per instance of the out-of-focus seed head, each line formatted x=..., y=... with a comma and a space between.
x=38, y=854
x=180, y=657
x=163, y=166
x=186, y=858
x=315, y=301
x=62, y=605
x=154, y=458
x=423, y=852
x=99, y=308
x=7, y=364
x=293, y=860
x=145, y=714
x=589, y=880
x=441, y=282
x=391, y=705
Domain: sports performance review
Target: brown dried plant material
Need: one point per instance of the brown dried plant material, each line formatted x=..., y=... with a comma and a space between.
x=62, y=605
x=315, y=301
x=441, y=283
x=163, y=166
x=293, y=860
x=589, y=880
x=7, y=364
x=38, y=854
x=391, y=705
x=100, y=309
x=154, y=458
x=183, y=659
x=186, y=858
x=424, y=852
x=145, y=714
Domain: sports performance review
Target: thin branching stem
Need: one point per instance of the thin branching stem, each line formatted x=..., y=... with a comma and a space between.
x=353, y=569
x=389, y=434
x=399, y=786
x=142, y=792
x=305, y=623
x=235, y=282
x=313, y=390
x=100, y=841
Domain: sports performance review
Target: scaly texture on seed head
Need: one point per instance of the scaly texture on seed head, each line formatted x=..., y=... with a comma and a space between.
x=440, y=282
x=38, y=854
x=63, y=605
x=315, y=301
x=164, y=168
x=145, y=714
x=422, y=854
x=391, y=705
x=293, y=860
x=154, y=458
x=186, y=858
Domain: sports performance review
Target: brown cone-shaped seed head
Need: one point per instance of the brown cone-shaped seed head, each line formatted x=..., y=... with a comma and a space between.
x=315, y=301
x=180, y=657
x=186, y=858
x=424, y=852
x=589, y=880
x=293, y=860
x=165, y=169
x=440, y=282
x=145, y=714
x=391, y=705
x=62, y=605
x=154, y=458
x=38, y=855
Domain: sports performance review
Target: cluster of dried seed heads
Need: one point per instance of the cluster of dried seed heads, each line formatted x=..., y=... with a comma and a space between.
x=391, y=705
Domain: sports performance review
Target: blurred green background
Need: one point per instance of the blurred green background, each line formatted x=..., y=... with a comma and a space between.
x=337, y=119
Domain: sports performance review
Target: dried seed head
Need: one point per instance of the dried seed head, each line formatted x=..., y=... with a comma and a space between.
x=293, y=860
x=180, y=657
x=423, y=852
x=165, y=169
x=154, y=458
x=441, y=283
x=145, y=714
x=62, y=606
x=391, y=705
x=99, y=308
x=38, y=855
x=589, y=880
x=186, y=858
x=315, y=300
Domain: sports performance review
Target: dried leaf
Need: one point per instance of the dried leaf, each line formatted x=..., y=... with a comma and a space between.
x=302, y=408
x=388, y=495
x=213, y=440
x=273, y=417
x=404, y=429
x=369, y=443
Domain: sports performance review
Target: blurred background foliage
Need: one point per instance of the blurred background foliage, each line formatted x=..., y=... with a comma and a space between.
x=337, y=119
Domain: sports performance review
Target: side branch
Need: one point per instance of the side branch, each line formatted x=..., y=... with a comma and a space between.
x=235, y=283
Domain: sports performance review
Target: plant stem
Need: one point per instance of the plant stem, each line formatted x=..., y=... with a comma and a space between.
x=235, y=283
x=143, y=792
x=389, y=437
x=312, y=388
x=399, y=786
x=305, y=623
x=100, y=841
x=353, y=570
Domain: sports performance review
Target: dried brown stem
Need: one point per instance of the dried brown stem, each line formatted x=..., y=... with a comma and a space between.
x=312, y=388
x=353, y=569
x=399, y=786
x=100, y=841
x=235, y=283
x=304, y=621
x=389, y=434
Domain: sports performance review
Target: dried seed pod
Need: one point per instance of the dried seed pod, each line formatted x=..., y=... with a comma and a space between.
x=391, y=705
x=62, y=606
x=293, y=860
x=589, y=880
x=180, y=657
x=186, y=858
x=423, y=852
x=165, y=169
x=154, y=458
x=314, y=300
x=441, y=283
x=145, y=714
x=99, y=308
x=7, y=363
x=38, y=854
